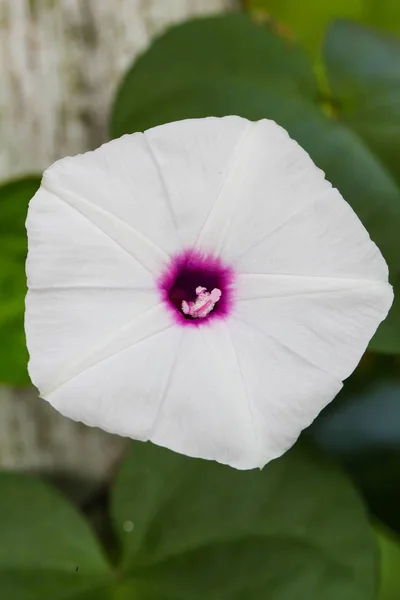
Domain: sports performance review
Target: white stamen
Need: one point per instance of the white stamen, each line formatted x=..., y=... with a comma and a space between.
x=203, y=304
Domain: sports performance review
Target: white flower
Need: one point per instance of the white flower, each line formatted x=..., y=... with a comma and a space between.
x=200, y=285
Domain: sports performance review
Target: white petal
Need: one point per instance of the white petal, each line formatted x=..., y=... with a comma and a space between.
x=120, y=188
x=205, y=412
x=122, y=392
x=285, y=391
x=82, y=287
x=278, y=214
x=63, y=326
x=67, y=249
x=181, y=388
x=195, y=157
x=162, y=184
x=327, y=321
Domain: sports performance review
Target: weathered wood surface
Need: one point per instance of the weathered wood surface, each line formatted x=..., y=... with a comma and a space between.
x=60, y=62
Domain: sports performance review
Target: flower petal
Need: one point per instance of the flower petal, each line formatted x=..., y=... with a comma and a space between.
x=205, y=412
x=327, y=321
x=82, y=287
x=118, y=187
x=181, y=388
x=162, y=184
x=195, y=157
x=285, y=391
x=122, y=391
x=65, y=326
x=281, y=215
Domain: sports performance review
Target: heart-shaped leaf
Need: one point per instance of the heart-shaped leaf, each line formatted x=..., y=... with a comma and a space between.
x=192, y=529
x=195, y=529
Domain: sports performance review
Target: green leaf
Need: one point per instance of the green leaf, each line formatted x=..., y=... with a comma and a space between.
x=47, y=551
x=230, y=65
x=196, y=529
x=363, y=67
x=193, y=529
x=389, y=548
x=209, y=66
x=361, y=429
x=14, y=198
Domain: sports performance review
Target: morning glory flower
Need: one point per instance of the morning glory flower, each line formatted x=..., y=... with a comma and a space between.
x=200, y=285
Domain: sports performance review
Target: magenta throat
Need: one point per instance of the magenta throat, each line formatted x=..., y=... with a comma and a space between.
x=197, y=288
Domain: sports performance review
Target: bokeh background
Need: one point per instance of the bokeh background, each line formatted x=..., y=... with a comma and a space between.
x=328, y=71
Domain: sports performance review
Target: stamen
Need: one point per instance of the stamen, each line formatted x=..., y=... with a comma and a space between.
x=203, y=304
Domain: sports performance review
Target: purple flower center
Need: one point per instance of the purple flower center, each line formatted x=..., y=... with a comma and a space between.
x=197, y=288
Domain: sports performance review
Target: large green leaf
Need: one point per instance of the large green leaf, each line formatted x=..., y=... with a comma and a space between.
x=361, y=429
x=210, y=66
x=230, y=65
x=47, y=551
x=14, y=198
x=363, y=67
x=196, y=529
x=192, y=529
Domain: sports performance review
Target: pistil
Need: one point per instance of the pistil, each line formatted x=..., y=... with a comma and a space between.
x=203, y=304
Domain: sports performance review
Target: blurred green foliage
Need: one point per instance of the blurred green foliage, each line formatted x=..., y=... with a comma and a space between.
x=14, y=198
x=389, y=548
x=361, y=430
x=364, y=76
x=192, y=529
x=307, y=21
